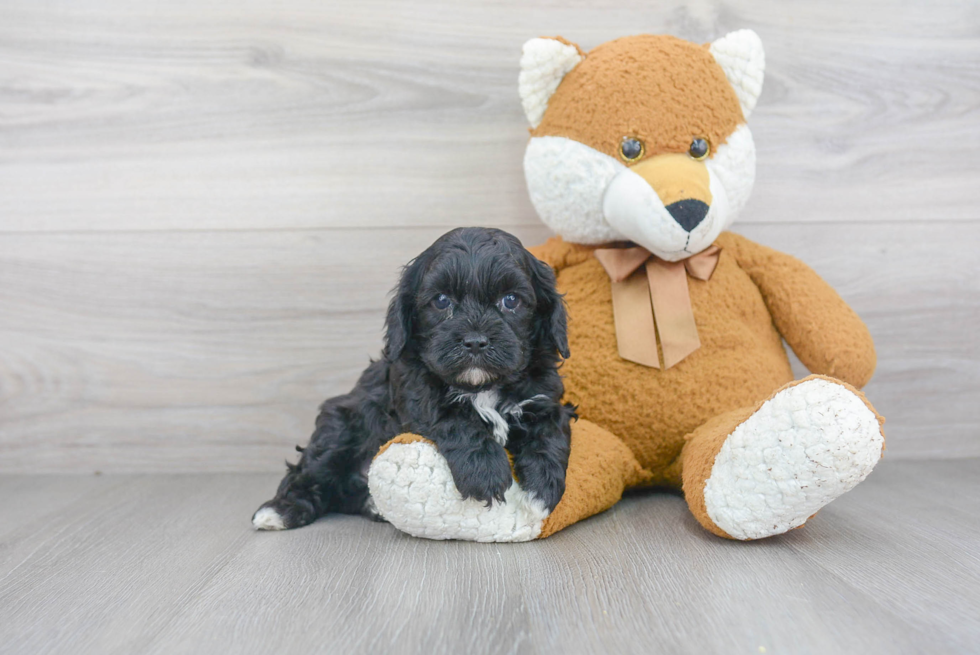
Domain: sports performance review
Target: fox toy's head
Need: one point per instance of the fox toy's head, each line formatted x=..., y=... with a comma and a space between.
x=643, y=139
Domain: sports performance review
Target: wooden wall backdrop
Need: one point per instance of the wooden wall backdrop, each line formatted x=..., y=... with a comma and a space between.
x=204, y=203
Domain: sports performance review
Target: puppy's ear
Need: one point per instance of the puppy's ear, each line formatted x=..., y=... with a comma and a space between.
x=400, y=321
x=552, y=321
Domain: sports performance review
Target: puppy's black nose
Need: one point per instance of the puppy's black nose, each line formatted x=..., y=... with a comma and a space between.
x=475, y=342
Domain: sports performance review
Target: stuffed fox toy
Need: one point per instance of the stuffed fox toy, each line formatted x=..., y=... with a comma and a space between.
x=639, y=158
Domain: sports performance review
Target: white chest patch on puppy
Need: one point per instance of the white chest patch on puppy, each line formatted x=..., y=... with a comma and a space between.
x=494, y=413
x=485, y=404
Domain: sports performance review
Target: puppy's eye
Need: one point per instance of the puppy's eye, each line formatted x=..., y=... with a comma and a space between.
x=699, y=149
x=510, y=302
x=442, y=301
x=630, y=149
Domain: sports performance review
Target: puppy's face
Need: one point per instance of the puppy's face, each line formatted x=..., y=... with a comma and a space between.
x=476, y=308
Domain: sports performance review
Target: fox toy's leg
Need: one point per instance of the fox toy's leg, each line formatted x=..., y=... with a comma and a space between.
x=600, y=468
x=413, y=489
x=762, y=471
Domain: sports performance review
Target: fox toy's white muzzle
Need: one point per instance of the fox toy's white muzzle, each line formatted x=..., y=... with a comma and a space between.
x=634, y=209
x=591, y=198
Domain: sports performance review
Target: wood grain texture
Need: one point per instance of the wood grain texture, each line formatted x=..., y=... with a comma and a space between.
x=169, y=564
x=210, y=351
x=216, y=114
x=203, y=204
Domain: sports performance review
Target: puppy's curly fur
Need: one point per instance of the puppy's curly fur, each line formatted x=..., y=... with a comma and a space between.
x=474, y=334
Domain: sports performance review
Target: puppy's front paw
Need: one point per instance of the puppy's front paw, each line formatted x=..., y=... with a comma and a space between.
x=543, y=475
x=548, y=490
x=482, y=474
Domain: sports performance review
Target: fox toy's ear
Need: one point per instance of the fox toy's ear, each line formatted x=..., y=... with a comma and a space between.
x=544, y=63
x=741, y=56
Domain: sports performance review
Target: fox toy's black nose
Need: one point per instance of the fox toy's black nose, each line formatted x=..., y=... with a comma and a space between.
x=475, y=343
x=688, y=213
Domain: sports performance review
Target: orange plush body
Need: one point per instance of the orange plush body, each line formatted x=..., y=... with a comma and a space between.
x=755, y=297
x=643, y=140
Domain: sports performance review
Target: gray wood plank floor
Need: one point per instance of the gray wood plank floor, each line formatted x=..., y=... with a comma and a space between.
x=169, y=564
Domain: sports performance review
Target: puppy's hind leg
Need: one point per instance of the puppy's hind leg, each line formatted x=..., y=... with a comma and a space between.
x=327, y=478
x=297, y=502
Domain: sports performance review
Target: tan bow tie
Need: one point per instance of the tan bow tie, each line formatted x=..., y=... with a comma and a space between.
x=662, y=293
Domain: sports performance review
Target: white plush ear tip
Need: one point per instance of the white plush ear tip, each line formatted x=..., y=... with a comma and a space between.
x=544, y=63
x=741, y=56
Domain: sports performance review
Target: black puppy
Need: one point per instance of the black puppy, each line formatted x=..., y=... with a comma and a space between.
x=471, y=356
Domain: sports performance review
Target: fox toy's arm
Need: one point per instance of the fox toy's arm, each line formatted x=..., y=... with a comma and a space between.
x=818, y=325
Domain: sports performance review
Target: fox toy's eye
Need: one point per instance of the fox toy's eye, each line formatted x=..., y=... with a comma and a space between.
x=631, y=148
x=699, y=149
x=510, y=302
x=442, y=301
